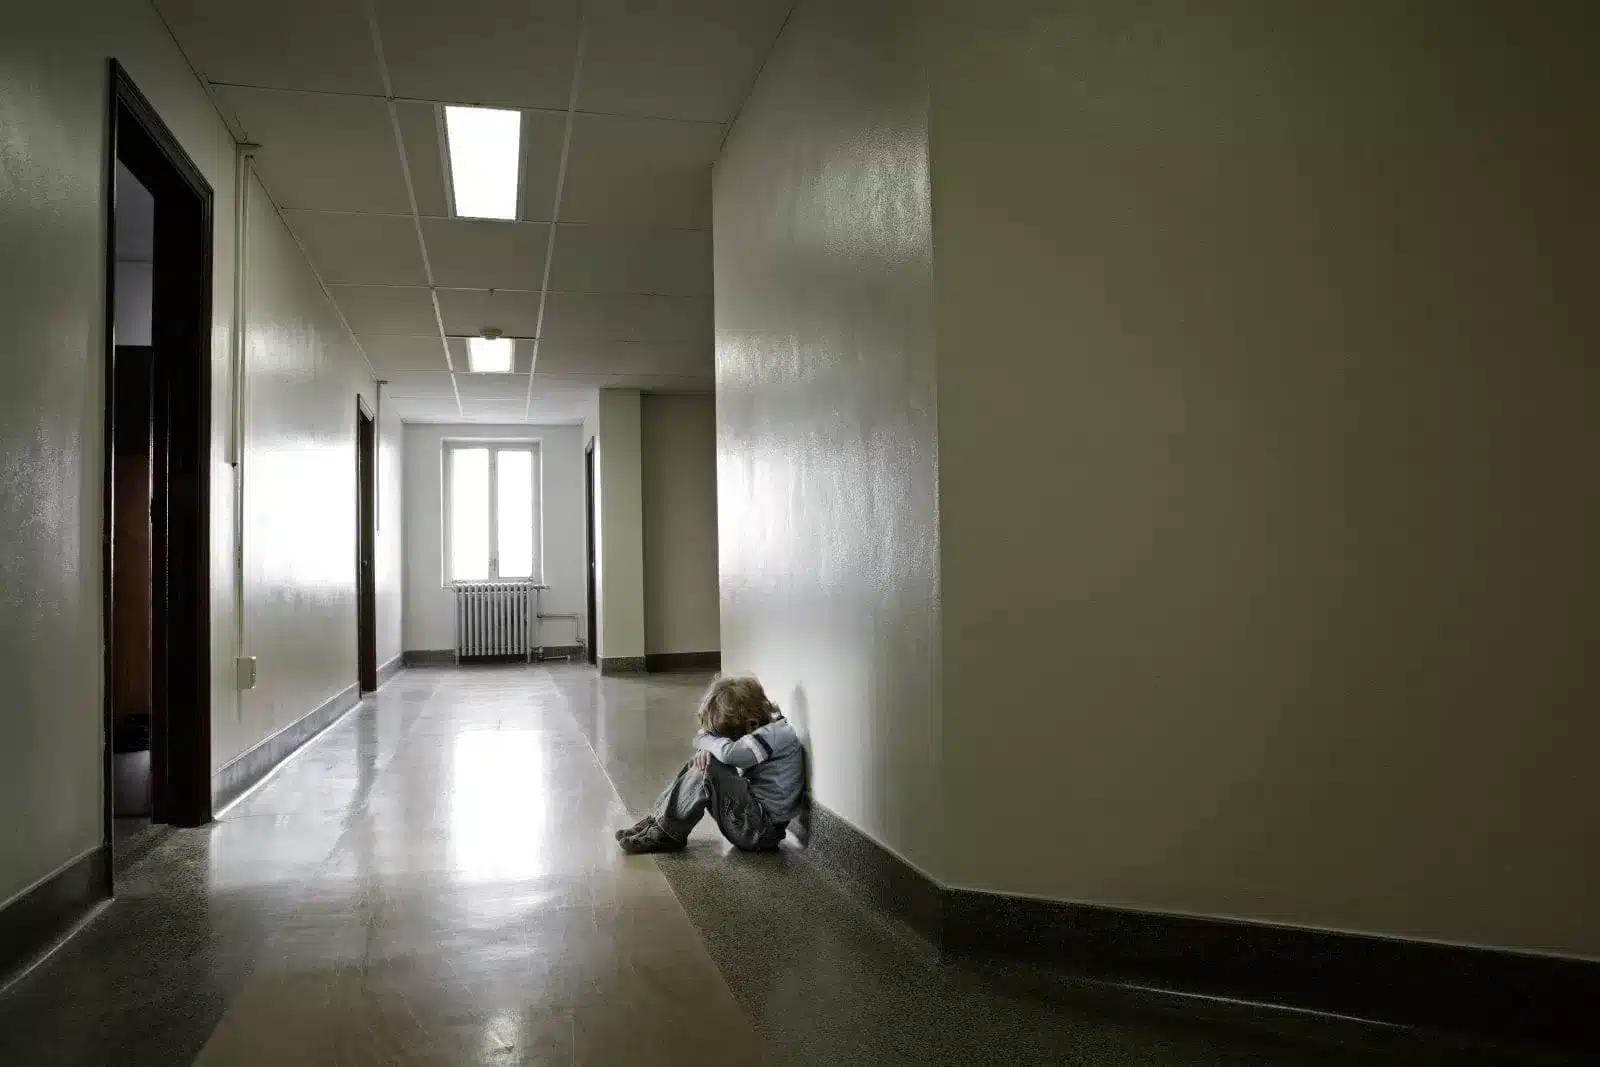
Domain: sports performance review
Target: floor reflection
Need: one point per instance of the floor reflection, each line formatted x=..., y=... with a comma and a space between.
x=499, y=828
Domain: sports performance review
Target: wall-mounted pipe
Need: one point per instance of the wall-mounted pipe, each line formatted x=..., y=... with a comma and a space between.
x=244, y=156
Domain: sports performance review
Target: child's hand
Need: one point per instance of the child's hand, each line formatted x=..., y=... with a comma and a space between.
x=702, y=761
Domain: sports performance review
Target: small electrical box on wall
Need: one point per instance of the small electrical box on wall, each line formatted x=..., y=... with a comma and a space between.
x=245, y=670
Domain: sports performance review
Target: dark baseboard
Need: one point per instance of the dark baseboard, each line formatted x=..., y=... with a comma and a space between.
x=35, y=921
x=622, y=665
x=871, y=871
x=1477, y=994
x=428, y=657
x=655, y=662
x=242, y=772
x=1484, y=993
x=387, y=672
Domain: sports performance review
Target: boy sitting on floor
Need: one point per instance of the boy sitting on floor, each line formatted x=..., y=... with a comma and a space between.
x=749, y=773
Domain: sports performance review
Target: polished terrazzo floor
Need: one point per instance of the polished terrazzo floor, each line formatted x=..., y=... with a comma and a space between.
x=433, y=881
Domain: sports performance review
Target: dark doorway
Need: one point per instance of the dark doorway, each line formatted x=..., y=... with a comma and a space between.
x=156, y=616
x=132, y=562
x=366, y=548
x=593, y=632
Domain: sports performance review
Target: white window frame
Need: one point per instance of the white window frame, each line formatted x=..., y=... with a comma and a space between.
x=446, y=496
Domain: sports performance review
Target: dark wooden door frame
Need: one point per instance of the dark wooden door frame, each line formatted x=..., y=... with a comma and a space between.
x=366, y=548
x=180, y=753
x=593, y=632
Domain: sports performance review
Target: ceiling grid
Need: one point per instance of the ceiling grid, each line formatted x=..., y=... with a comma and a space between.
x=411, y=192
x=604, y=277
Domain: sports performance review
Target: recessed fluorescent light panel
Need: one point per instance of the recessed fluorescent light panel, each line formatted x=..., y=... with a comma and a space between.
x=489, y=355
x=485, y=146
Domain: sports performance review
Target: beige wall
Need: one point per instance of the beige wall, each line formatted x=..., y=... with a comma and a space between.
x=1267, y=404
x=53, y=97
x=679, y=466
x=619, y=531
x=826, y=458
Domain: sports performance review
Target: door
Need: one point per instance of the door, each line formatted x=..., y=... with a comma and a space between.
x=176, y=366
x=366, y=548
x=593, y=631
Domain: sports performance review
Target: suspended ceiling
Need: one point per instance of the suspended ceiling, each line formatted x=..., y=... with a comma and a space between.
x=605, y=276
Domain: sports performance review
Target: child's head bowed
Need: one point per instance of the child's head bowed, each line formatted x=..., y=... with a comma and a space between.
x=734, y=706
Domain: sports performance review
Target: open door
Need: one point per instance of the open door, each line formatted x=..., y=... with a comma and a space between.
x=366, y=548
x=157, y=612
x=132, y=557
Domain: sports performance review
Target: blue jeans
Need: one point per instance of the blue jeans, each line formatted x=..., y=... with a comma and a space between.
x=724, y=793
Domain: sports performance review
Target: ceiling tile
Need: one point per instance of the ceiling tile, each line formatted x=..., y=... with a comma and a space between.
x=627, y=259
x=482, y=51
x=390, y=353
x=422, y=387
x=492, y=387
x=652, y=383
x=640, y=171
x=468, y=312
x=542, y=134
x=287, y=44
x=549, y=403
x=419, y=130
x=360, y=249
x=625, y=357
x=496, y=409
x=690, y=59
x=326, y=153
x=411, y=409
x=372, y=309
x=602, y=317
x=485, y=254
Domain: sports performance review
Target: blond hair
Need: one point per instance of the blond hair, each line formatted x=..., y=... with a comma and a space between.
x=734, y=706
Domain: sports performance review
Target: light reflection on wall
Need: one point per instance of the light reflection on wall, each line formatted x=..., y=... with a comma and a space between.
x=287, y=549
x=497, y=782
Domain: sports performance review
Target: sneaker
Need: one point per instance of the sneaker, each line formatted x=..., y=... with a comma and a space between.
x=637, y=828
x=651, y=839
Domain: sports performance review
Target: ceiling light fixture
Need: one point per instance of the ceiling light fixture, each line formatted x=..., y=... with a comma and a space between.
x=485, y=147
x=490, y=353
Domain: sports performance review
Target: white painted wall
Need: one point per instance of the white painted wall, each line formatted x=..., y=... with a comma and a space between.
x=391, y=533
x=678, y=454
x=429, y=602
x=1267, y=409
x=302, y=375
x=52, y=144
x=826, y=453
x=619, y=535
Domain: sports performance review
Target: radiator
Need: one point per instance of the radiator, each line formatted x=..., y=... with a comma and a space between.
x=497, y=619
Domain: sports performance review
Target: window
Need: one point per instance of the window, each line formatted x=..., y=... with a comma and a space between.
x=491, y=510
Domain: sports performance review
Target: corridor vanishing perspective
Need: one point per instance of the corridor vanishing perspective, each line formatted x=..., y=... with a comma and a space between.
x=434, y=881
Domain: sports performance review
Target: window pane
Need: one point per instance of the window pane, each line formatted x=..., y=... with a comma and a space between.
x=515, y=477
x=469, y=514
